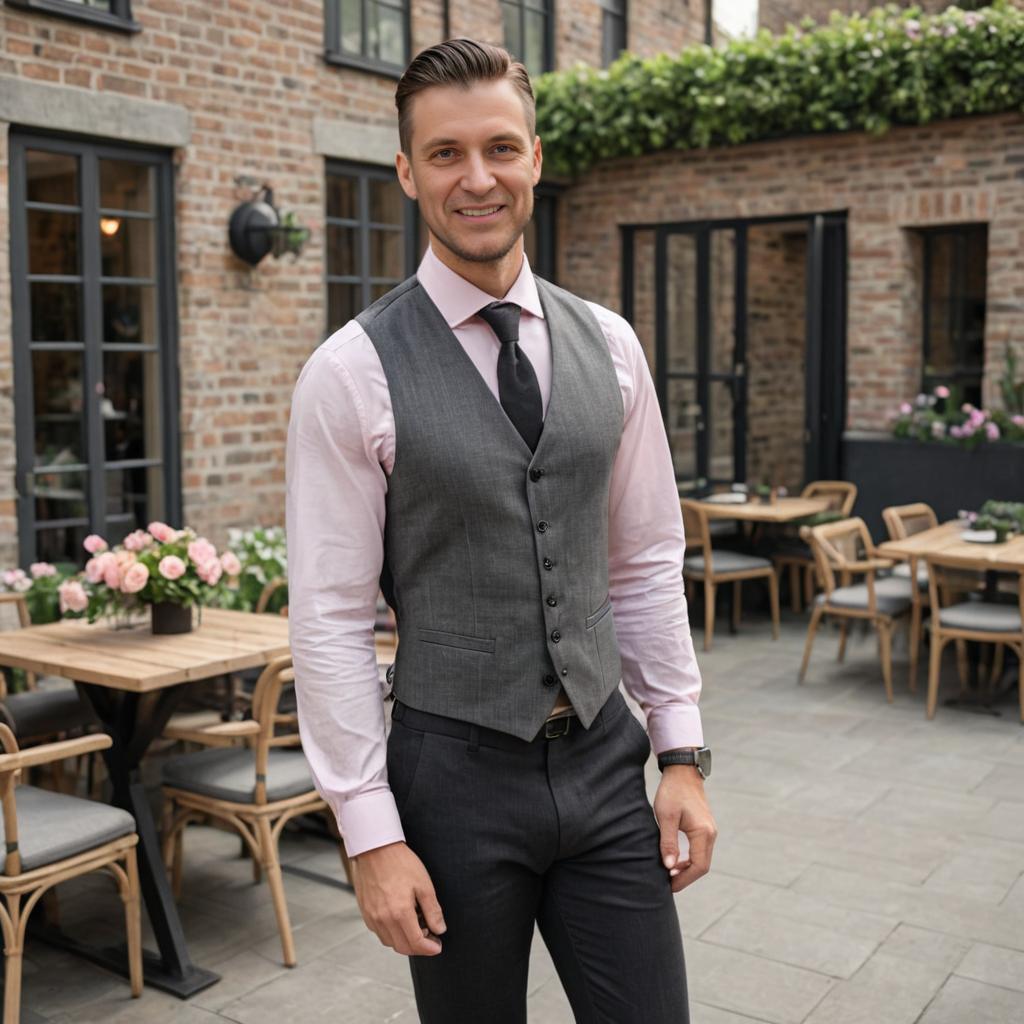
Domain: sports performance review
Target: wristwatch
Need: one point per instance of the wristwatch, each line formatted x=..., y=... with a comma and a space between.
x=699, y=757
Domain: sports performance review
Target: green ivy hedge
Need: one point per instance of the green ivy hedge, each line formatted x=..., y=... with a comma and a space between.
x=864, y=72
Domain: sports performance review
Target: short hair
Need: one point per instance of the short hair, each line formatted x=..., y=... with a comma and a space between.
x=459, y=62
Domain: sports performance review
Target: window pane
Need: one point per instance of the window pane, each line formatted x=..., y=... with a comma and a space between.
x=56, y=311
x=387, y=254
x=342, y=250
x=134, y=497
x=126, y=186
x=96, y=5
x=127, y=247
x=683, y=423
x=352, y=26
x=57, y=395
x=52, y=242
x=723, y=300
x=535, y=47
x=720, y=422
x=386, y=202
x=681, y=311
x=342, y=193
x=129, y=313
x=51, y=177
x=130, y=405
x=61, y=496
x=378, y=291
x=386, y=36
x=613, y=36
x=343, y=302
x=510, y=22
x=62, y=543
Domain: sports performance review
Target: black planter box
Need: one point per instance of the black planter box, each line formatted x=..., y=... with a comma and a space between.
x=890, y=471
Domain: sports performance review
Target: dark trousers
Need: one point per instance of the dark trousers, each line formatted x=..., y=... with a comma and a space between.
x=559, y=832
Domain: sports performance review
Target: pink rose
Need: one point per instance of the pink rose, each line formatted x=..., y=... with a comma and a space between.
x=171, y=566
x=137, y=540
x=210, y=572
x=112, y=575
x=992, y=431
x=94, y=544
x=73, y=597
x=1018, y=420
x=906, y=408
x=95, y=567
x=135, y=578
x=942, y=391
x=41, y=569
x=232, y=566
x=125, y=558
x=202, y=551
x=162, y=532
x=13, y=576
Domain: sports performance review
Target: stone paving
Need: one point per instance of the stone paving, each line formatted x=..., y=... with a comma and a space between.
x=870, y=868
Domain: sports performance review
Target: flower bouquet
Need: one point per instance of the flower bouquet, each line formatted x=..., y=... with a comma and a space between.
x=170, y=570
x=39, y=586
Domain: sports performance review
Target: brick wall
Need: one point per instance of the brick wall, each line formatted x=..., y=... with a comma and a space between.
x=963, y=171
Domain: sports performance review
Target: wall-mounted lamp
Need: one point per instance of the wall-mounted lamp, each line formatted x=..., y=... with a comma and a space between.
x=257, y=228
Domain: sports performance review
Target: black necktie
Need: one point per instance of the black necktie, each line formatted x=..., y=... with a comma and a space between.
x=518, y=390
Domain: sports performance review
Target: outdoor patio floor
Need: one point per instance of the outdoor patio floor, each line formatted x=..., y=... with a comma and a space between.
x=870, y=868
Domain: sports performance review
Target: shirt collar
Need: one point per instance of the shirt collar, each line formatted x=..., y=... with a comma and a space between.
x=458, y=300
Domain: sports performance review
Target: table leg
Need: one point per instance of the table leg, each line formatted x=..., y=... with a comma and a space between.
x=133, y=721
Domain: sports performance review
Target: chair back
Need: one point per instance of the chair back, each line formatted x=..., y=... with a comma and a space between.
x=904, y=521
x=24, y=619
x=271, y=588
x=695, y=527
x=836, y=544
x=277, y=729
x=841, y=494
x=8, y=781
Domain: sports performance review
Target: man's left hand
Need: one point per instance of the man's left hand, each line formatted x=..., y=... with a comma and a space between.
x=681, y=806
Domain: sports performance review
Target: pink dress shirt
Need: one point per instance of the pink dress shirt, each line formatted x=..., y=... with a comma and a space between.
x=341, y=450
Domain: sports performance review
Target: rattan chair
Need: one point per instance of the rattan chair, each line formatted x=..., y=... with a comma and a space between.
x=954, y=619
x=720, y=567
x=51, y=837
x=842, y=551
x=255, y=789
x=794, y=555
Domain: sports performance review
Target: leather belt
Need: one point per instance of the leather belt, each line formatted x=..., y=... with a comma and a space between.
x=427, y=721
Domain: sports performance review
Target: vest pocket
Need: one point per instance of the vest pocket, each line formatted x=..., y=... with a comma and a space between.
x=465, y=643
x=593, y=620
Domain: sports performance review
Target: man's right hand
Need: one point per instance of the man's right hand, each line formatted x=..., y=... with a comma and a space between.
x=390, y=882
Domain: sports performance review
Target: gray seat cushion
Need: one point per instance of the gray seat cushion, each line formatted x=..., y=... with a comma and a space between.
x=892, y=596
x=902, y=571
x=45, y=712
x=52, y=826
x=229, y=773
x=982, y=615
x=726, y=561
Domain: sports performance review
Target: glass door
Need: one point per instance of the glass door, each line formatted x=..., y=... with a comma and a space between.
x=95, y=378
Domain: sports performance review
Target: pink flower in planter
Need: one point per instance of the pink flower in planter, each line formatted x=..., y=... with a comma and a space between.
x=112, y=574
x=906, y=408
x=94, y=544
x=125, y=559
x=202, y=551
x=232, y=566
x=1018, y=420
x=971, y=18
x=956, y=431
x=12, y=576
x=162, y=532
x=942, y=391
x=171, y=566
x=992, y=431
x=135, y=578
x=210, y=572
x=73, y=597
x=41, y=569
x=137, y=540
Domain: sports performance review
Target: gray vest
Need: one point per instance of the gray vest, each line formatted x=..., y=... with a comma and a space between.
x=498, y=557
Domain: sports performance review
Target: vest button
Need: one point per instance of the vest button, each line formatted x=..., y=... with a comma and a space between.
x=565, y=671
x=555, y=636
x=548, y=564
x=536, y=474
x=552, y=601
x=542, y=526
x=549, y=680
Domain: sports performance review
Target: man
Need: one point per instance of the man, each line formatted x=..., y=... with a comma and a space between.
x=490, y=447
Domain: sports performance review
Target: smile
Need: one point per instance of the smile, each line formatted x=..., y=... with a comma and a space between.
x=481, y=214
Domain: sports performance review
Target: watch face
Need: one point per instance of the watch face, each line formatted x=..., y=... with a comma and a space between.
x=703, y=761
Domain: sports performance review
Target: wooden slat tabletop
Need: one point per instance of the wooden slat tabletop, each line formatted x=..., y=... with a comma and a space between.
x=946, y=539
x=784, y=510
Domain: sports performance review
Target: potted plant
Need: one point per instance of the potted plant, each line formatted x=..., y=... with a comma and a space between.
x=39, y=586
x=1003, y=527
x=171, y=571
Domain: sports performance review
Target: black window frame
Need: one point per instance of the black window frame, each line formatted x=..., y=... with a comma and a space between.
x=91, y=150
x=544, y=262
x=333, y=53
x=545, y=7
x=364, y=173
x=955, y=320
x=118, y=18
x=614, y=30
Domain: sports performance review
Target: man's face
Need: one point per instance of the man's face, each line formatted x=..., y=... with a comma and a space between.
x=472, y=166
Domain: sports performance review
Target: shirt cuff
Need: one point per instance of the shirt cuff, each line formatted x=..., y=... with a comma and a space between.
x=675, y=725
x=369, y=821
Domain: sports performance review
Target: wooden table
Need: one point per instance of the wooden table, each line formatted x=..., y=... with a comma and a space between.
x=783, y=510
x=946, y=540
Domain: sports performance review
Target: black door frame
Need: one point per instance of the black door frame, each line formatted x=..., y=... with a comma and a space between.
x=90, y=344
x=825, y=330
